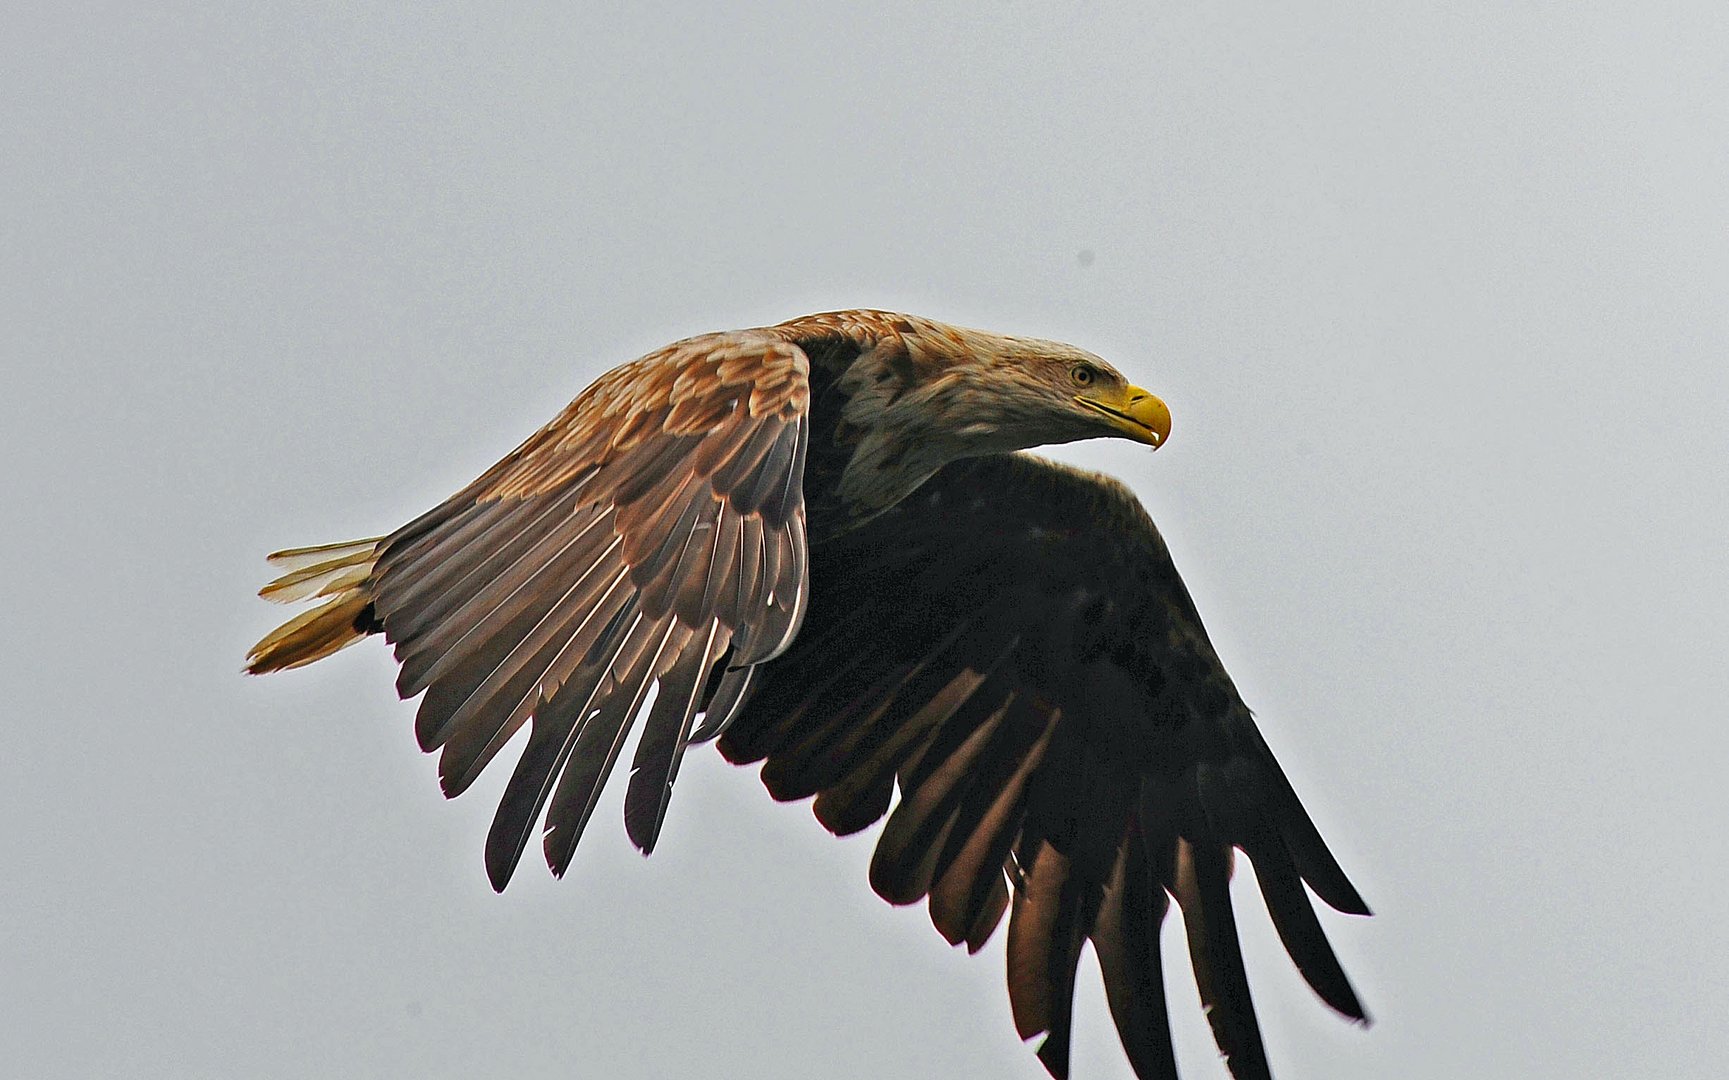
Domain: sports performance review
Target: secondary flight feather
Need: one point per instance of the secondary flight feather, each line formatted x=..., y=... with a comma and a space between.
x=820, y=542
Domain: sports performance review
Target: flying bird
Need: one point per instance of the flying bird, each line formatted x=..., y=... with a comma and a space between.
x=820, y=541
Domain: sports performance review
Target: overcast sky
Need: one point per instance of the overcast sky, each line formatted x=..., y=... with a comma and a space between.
x=1437, y=298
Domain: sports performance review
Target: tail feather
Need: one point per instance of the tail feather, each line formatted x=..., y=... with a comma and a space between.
x=303, y=557
x=351, y=566
x=341, y=572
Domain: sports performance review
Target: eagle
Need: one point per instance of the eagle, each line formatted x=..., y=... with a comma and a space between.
x=821, y=542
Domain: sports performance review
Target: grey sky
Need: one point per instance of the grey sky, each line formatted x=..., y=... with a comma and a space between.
x=1437, y=300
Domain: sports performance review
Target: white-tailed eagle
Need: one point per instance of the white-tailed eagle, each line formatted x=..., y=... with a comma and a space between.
x=819, y=541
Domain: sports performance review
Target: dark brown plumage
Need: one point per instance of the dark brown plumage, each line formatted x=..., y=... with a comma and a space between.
x=815, y=539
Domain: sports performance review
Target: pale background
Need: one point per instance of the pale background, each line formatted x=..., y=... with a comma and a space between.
x=1437, y=298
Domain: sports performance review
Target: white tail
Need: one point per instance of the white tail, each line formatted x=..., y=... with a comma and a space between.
x=341, y=572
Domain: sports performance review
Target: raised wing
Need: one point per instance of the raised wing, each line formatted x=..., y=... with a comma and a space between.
x=1012, y=648
x=655, y=527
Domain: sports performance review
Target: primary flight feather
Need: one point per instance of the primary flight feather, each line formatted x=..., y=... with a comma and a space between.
x=818, y=540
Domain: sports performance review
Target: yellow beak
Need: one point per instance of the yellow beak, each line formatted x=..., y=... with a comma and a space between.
x=1134, y=413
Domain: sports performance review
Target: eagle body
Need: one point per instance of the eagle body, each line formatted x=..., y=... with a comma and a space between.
x=819, y=542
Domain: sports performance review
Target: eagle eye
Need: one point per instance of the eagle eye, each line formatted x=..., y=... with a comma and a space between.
x=1083, y=374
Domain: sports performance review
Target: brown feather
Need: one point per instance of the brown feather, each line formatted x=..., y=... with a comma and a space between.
x=485, y=722
x=591, y=758
x=1126, y=940
x=335, y=624
x=665, y=734
x=962, y=893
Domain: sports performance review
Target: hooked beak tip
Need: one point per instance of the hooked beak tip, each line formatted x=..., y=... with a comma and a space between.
x=1137, y=415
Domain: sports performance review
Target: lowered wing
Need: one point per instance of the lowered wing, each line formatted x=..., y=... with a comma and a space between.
x=1012, y=650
